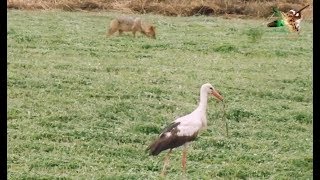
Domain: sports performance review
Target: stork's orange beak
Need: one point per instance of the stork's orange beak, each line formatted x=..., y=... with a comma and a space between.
x=217, y=95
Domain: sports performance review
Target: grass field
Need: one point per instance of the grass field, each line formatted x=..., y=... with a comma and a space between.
x=84, y=106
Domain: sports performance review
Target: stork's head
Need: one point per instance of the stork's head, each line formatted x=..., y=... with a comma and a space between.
x=208, y=88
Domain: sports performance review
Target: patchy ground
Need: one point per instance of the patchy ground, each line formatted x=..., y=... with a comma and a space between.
x=81, y=105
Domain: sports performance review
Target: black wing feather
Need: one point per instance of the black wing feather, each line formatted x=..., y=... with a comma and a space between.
x=169, y=142
x=169, y=128
x=155, y=148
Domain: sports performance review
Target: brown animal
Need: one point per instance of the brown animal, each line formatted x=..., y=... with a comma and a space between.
x=293, y=19
x=132, y=24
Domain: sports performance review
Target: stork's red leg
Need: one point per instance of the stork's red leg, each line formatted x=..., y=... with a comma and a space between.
x=184, y=158
x=165, y=163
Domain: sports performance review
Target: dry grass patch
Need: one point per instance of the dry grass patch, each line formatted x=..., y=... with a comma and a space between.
x=251, y=8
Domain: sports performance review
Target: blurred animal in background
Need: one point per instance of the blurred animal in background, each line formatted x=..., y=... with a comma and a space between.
x=131, y=24
x=291, y=19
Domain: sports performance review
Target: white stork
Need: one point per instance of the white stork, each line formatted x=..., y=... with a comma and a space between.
x=184, y=129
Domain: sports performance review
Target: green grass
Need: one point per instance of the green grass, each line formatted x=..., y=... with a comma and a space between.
x=84, y=106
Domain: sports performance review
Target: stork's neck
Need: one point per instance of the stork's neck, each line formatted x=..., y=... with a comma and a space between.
x=203, y=102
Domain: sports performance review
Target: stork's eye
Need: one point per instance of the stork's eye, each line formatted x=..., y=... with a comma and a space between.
x=211, y=88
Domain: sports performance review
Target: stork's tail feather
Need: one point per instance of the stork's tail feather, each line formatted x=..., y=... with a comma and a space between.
x=156, y=147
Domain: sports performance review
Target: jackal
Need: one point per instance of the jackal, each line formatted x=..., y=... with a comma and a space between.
x=134, y=24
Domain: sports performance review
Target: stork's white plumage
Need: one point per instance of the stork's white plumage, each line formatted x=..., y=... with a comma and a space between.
x=184, y=129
